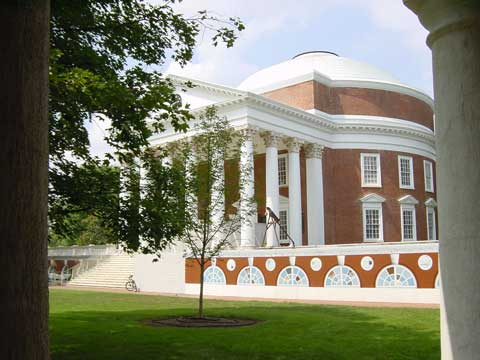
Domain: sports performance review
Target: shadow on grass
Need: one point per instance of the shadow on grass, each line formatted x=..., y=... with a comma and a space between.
x=285, y=331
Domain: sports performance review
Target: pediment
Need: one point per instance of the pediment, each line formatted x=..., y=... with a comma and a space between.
x=408, y=200
x=372, y=198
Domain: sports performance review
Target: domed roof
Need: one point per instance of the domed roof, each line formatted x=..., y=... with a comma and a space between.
x=323, y=66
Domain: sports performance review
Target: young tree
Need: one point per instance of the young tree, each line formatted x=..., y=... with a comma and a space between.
x=210, y=221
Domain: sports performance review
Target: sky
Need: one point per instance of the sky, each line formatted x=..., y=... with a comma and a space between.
x=383, y=33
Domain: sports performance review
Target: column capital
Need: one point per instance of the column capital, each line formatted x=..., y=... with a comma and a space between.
x=271, y=139
x=249, y=132
x=313, y=151
x=293, y=144
x=441, y=17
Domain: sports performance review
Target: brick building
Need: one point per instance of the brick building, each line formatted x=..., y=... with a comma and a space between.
x=343, y=153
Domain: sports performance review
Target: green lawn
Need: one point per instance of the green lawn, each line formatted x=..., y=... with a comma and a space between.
x=95, y=325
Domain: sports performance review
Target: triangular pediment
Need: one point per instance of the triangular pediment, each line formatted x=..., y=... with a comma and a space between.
x=372, y=198
x=408, y=199
x=431, y=202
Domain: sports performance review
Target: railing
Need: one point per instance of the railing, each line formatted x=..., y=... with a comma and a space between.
x=76, y=251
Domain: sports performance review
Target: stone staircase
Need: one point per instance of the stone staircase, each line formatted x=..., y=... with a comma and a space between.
x=112, y=272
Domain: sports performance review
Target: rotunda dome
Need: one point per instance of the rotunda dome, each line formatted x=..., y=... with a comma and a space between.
x=324, y=66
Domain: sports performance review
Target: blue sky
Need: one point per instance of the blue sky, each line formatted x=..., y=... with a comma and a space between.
x=383, y=33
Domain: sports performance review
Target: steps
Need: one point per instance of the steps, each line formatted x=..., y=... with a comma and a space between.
x=113, y=272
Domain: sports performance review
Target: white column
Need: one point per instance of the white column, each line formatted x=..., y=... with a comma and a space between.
x=315, y=218
x=294, y=192
x=272, y=194
x=454, y=39
x=191, y=169
x=247, y=190
x=218, y=194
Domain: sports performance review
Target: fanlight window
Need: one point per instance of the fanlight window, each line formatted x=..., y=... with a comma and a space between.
x=214, y=275
x=250, y=275
x=292, y=276
x=342, y=276
x=396, y=276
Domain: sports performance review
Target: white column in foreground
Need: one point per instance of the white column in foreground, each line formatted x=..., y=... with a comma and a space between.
x=294, y=192
x=272, y=194
x=247, y=210
x=454, y=28
x=315, y=218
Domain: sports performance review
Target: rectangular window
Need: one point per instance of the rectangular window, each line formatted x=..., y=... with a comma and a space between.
x=371, y=173
x=405, y=172
x=431, y=229
x=372, y=223
x=282, y=170
x=283, y=216
x=428, y=170
x=409, y=231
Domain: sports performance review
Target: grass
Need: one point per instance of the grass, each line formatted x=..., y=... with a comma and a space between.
x=99, y=325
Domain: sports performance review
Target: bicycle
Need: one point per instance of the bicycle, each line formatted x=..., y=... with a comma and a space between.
x=130, y=285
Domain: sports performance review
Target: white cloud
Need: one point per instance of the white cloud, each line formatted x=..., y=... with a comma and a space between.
x=262, y=18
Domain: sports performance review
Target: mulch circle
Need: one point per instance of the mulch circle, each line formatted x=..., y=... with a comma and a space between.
x=196, y=322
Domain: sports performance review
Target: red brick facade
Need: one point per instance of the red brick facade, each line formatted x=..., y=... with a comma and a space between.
x=354, y=101
x=424, y=278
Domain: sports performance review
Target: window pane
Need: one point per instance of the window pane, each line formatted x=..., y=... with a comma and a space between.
x=282, y=170
x=405, y=172
x=408, y=224
x=428, y=176
x=370, y=174
x=431, y=224
x=283, y=224
x=372, y=223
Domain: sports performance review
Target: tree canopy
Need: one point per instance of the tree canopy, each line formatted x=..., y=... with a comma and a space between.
x=105, y=56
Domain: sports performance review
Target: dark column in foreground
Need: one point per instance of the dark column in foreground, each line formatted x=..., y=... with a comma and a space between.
x=24, y=46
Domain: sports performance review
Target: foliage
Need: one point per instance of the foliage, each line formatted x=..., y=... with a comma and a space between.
x=109, y=326
x=208, y=227
x=152, y=215
x=83, y=229
x=104, y=56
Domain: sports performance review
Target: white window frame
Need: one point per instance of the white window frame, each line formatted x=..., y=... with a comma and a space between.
x=378, y=183
x=283, y=156
x=412, y=181
x=429, y=186
x=409, y=207
x=380, y=221
x=372, y=202
x=430, y=205
x=284, y=207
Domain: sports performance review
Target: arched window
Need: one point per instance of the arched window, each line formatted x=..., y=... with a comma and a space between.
x=292, y=276
x=396, y=276
x=342, y=276
x=437, y=281
x=214, y=275
x=250, y=275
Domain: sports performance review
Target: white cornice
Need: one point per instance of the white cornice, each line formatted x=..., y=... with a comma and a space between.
x=220, y=89
x=348, y=249
x=335, y=123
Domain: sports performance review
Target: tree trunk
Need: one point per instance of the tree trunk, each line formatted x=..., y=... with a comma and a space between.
x=200, y=298
x=24, y=47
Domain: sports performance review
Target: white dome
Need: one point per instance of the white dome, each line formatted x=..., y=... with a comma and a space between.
x=325, y=67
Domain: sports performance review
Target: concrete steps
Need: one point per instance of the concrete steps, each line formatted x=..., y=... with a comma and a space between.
x=113, y=272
